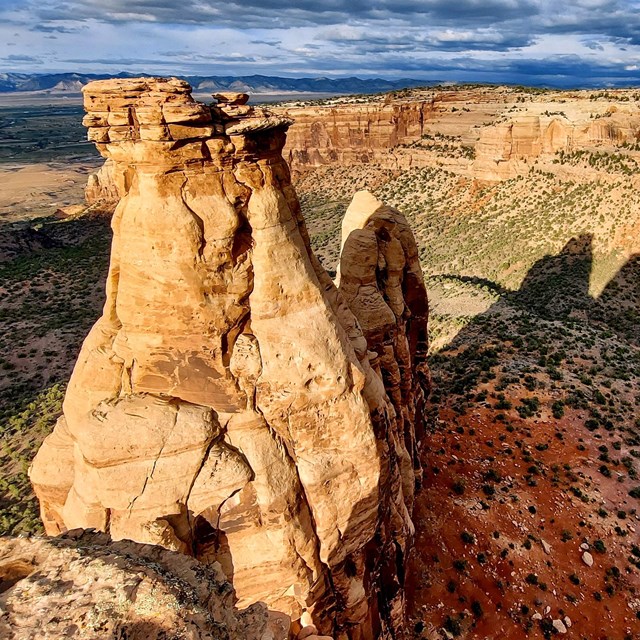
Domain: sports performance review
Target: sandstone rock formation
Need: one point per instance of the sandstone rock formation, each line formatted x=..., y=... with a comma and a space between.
x=228, y=403
x=505, y=149
x=490, y=134
x=360, y=133
x=85, y=586
x=107, y=185
x=381, y=280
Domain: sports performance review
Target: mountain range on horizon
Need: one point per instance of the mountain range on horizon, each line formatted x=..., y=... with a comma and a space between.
x=73, y=83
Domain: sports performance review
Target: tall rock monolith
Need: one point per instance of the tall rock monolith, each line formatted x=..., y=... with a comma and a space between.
x=229, y=403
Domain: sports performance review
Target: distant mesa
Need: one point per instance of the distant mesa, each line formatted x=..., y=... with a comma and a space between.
x=232, y=403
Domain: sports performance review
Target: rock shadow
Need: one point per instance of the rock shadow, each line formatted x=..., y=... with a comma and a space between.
x=527, y=397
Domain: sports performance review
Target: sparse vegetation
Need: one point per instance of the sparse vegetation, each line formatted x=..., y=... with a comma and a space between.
x=532, y=437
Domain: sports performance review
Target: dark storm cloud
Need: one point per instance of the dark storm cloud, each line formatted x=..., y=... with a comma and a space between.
x=21, y=58
x=417, y=40
x=56, y=28
x=284, y=13
x=615, y=21
x=268, y=43
x=555, y=71
x=611, y=18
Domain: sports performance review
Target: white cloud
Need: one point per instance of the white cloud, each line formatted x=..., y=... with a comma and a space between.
x=418, y=38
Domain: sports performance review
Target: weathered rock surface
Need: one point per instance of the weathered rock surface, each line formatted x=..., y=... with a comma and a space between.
x=229, y=97
x=228, y=404
x=490, y=134
x=85, y=586
x=380, y=278
x=107, y=185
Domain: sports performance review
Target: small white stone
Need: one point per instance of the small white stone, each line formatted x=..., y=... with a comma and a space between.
x=546, y=546
x=587, y=558
x=547, y=610
x=536, y=616
x=558, y=625
x=567, y=621
x=584, y=546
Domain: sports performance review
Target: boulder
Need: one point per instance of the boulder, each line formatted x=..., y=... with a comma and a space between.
x=230, y=97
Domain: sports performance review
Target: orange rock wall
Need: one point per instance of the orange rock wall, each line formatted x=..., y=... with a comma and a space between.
x=507, y=131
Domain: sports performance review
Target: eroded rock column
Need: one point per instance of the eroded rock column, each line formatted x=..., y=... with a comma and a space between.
x=225, y=404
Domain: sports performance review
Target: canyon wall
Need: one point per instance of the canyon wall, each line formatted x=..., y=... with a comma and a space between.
x=232, y=403
x=488, y=134
x=347, y=134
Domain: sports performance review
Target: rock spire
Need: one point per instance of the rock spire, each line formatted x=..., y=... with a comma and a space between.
x=232, y=403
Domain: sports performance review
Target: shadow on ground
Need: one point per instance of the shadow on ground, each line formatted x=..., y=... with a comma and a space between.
x=532, y=459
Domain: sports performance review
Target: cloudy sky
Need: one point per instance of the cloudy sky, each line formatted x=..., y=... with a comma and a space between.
x=554, y=42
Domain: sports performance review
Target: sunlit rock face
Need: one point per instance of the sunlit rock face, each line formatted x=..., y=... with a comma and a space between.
x=232, y=403
x=487, y=133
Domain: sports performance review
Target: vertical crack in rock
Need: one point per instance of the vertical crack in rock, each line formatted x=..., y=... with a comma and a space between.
x=157, y=457
x=199, y=222
x=282, y=412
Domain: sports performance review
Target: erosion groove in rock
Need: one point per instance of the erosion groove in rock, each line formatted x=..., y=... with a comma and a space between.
x=85, y=586
x=228, y=404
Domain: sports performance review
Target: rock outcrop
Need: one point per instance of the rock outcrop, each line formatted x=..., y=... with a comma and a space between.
x=380, y=278
x=360, y=133
x=489, y=134
x=506, y=149
x=85, y=586
x=228, y=403
x=107, y=185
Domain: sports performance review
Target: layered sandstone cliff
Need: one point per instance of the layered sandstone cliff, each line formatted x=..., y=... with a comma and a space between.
x=231, y=402
x=354, y=133
x=489, y=134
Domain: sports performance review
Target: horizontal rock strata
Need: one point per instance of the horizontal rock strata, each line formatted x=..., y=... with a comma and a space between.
x=489, y=134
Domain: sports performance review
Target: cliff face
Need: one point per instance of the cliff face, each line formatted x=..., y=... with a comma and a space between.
x=506, y=149
x=107, y=185
x=488, y=134
x=228, y=403
x=353, y=133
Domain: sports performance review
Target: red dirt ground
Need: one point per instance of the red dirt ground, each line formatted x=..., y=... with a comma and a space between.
x=527, y=481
